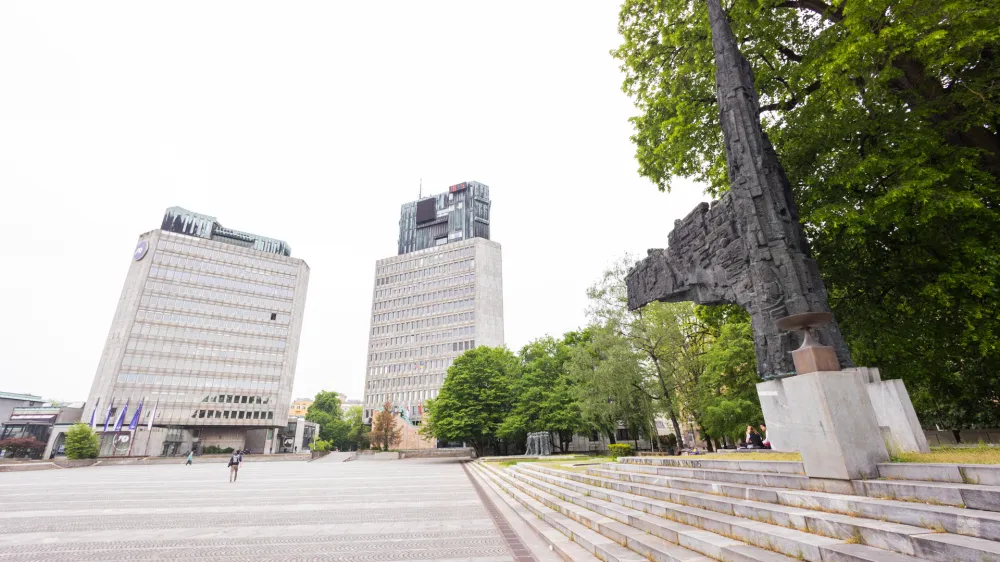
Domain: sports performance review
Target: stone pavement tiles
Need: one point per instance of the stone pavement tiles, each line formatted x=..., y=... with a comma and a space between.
x=371, y=511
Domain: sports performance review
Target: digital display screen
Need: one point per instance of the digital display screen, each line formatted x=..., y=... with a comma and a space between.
x=426, y=210
x=457, y=187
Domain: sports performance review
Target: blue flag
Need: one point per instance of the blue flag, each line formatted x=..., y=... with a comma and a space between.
x=135, y=417
x=107, y=417
x=121, y=417
x=93, y=413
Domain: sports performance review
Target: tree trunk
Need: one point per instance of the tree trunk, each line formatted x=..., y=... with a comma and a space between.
x=668, y=401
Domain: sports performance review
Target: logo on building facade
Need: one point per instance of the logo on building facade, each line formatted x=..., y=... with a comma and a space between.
x=140, y=250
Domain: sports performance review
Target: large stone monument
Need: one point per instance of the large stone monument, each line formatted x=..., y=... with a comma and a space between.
x=748, y=248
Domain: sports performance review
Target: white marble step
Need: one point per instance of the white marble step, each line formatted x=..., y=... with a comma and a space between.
x=970, y=522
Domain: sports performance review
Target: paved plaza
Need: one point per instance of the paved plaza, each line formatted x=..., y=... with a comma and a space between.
x=358, y=510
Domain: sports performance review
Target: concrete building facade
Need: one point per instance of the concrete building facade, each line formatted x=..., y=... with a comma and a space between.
x=428, y=307
x=11, y=400
x=206, y=330
x=461, y=213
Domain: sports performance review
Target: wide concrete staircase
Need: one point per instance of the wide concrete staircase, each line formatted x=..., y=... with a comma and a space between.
x=682, y=509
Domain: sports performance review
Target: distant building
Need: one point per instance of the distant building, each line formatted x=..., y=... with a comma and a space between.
x=299, y=407
x=45, y=422
x=439, y=297
x=207, y=332
x=11, y=400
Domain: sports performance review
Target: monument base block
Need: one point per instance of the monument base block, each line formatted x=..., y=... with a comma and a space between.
x=826, y=416
x=815, y=358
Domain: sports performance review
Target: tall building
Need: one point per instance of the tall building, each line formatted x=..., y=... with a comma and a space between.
x=442, y=295
x=207, y=331
x=461, y=213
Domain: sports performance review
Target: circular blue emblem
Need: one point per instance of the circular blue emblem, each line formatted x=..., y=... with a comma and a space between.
x=140, y=250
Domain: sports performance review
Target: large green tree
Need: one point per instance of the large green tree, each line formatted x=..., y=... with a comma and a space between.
x=886, y=117
x=726, y=391
x=325, y=411
x=611, y=384
x=477, y=396
x=546, y=397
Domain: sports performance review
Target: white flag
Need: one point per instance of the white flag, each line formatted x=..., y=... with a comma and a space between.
x=152, y=415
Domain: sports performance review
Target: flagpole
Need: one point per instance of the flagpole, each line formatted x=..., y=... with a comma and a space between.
x=149, y=427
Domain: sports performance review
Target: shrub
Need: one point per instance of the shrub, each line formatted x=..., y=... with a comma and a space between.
x=321, y=445
x=216, y=450
x=82, y=442
x=620, y=450
x=21, y=446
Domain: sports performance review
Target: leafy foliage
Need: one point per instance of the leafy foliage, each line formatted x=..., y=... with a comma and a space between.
x=344, y=431
x=21, y=446
x=357, y=434
x=477, y=396
x=546, y=400
x=320, y=446
x=885, y=115
x=217, y=450
x=82, y=442
x=620, y=450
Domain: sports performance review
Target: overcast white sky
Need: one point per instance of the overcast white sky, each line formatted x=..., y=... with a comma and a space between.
x=310, y=122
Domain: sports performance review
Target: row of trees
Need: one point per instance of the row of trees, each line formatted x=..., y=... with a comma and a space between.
x=675, y=361
x=886, y=117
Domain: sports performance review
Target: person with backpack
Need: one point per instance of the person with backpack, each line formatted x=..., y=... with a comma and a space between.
x=234, y=465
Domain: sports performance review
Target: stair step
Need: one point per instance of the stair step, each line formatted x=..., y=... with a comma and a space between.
x=957, y=547
x=975, y=523
x=772, y=537
x=983, y=474
x=973, y=496
x=559, y=543
x=885, y=535
x=599, y=535
x=764, y=479
x=592, y=513
x=777, y=467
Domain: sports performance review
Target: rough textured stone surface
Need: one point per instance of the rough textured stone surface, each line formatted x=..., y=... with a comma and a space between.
x=747, y=248
x=408, y=510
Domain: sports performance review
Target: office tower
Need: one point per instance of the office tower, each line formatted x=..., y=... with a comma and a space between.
x=434, y=301
x=207, y=331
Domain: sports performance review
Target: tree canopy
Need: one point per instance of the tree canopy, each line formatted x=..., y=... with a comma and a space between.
x=475, y=399
x=886, y=117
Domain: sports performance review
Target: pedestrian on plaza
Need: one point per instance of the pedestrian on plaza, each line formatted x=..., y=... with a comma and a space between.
x=763, y=433
x=234, y=465
x=753, y=439
x=190, y=458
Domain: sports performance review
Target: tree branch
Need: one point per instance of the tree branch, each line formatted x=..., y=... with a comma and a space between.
x=817, y=6
x=794, y=101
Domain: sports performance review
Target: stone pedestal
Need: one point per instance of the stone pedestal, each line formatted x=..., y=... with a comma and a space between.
x=827, y=416
x=894, y=411
x=815, y=358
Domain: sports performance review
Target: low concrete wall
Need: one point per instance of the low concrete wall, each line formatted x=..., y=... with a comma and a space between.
x=66, y=463
x=459, y=452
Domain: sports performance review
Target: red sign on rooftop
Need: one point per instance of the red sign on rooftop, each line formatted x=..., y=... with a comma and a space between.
x=457, y=187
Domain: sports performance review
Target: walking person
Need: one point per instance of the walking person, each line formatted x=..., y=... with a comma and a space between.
x=234, y=465
x=190, y=458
